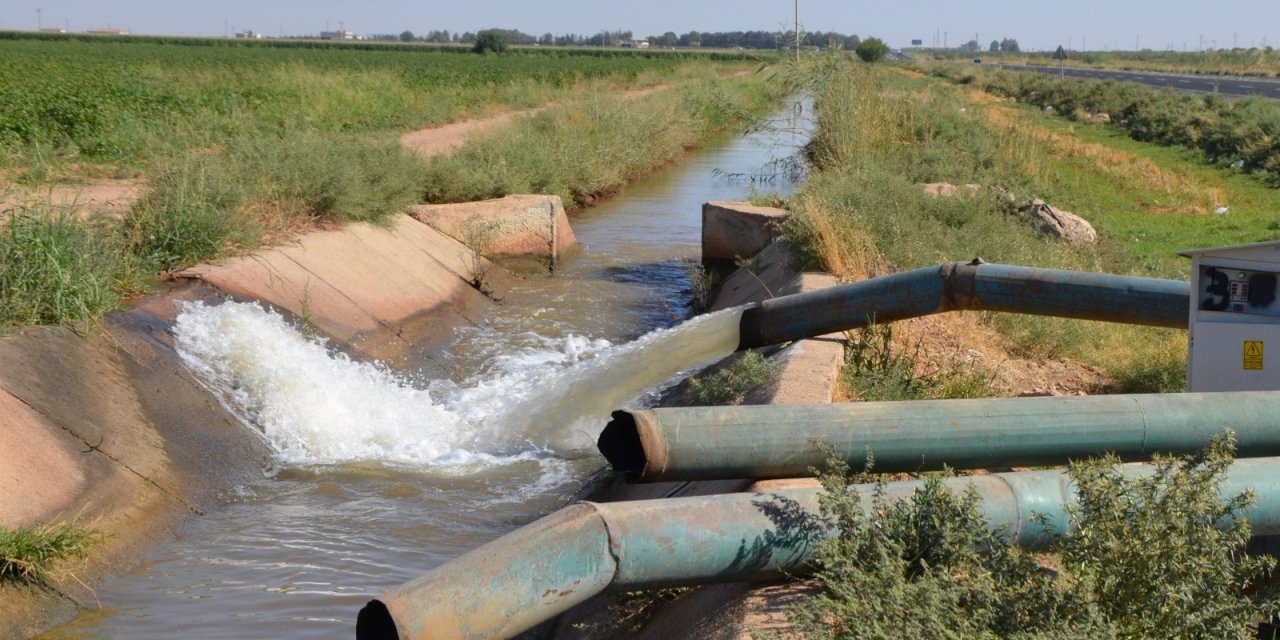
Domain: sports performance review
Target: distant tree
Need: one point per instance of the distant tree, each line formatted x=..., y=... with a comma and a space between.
x=995, y=46
x=668, y=39
x=972, y=45
x=547, y=38
x=490, y=40
x=1009, y=45
x=872, y=50
x=406, y=36
x=691, y=39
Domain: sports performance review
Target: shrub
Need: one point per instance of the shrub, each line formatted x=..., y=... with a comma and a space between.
x=930, y=567
x=1163, y=554
x=872, y=50
x=1157, y=555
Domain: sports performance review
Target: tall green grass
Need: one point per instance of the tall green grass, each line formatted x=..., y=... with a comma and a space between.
x=29, y=555
x=55, y=268
x=588, y=148
x=256, y=189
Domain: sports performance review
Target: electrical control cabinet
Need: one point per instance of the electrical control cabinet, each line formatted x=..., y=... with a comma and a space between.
x=1235, y=318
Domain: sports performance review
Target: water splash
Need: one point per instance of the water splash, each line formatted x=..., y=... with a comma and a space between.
x=317, y=406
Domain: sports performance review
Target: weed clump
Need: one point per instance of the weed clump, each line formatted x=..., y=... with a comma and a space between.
x=55, y=268
x=876, y=370
x=28, y=556
x=732, y=382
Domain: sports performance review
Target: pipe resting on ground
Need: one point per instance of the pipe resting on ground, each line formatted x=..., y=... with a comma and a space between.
x=780, y=441
x=535, y=573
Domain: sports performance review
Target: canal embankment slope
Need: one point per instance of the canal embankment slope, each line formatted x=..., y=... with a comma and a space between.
x=110, y=430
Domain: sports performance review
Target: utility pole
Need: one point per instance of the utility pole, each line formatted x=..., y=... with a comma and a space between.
x=39, y=20
x=797, y=30
x=944, y=39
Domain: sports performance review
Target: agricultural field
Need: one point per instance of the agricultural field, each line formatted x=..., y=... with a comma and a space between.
x=128, y=103
x=234, y=146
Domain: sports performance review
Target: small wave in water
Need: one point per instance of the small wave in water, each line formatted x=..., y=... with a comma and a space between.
x=317, y=406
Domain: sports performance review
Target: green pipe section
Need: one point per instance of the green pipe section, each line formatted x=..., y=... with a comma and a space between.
x=516, y=582
x=780, y=441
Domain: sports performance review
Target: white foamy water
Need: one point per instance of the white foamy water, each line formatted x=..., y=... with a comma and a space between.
x=316, y=406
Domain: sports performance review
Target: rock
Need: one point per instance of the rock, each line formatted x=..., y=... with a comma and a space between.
x=1222, y=211
x=1100, y=118
x=1059, y=224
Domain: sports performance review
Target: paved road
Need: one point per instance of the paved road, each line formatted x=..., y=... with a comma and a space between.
x=1225, y=85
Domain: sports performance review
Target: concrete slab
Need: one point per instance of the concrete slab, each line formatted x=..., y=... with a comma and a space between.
x=524, y=229
x=737, y=230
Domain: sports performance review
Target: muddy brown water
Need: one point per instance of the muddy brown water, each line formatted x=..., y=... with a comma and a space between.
x=297, y=554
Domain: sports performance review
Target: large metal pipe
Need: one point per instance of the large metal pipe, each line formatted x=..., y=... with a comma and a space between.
x=778, y=441
x=513, y=583
x=974, y=285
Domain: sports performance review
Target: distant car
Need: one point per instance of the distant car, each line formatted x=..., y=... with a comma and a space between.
x=977, y=60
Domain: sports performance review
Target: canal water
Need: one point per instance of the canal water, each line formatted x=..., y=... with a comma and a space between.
x=380, y=475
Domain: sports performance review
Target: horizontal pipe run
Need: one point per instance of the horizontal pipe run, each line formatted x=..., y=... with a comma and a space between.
x=511, y=584
x=780, y=441
x=975, y=286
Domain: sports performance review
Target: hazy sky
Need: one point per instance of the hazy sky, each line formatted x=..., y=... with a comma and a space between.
x=1041, y=24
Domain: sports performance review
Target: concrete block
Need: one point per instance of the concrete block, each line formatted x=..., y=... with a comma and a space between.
x=736, y=230
x=515, y=228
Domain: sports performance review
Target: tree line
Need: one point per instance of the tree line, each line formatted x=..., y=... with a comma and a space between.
x=606, y=38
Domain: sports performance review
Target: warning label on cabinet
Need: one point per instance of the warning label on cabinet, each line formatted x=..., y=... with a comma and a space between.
x=1253, y=354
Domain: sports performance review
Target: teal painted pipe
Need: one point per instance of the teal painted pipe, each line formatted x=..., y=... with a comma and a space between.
x=511, y=584
x=975, y=285
x=778, y=441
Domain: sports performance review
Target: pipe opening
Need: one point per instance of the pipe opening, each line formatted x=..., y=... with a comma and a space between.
x=374, y=622
x=621, y=446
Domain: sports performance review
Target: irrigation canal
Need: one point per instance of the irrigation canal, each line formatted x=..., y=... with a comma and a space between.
x=381, y=475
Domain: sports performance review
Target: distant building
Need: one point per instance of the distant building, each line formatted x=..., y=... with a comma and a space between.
x=108, y=31
x=635, y=44
x=53, y=30
x=249, y=35
x=340, y=34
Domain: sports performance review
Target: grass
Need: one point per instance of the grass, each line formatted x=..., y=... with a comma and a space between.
x=30, y=555
x=881, y=135
x=731, y=383
x=586, y=149
x=878, y=370
x=56, y=268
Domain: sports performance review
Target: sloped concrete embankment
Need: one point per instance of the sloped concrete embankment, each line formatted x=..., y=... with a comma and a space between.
x=808, y=371
x=110, y=429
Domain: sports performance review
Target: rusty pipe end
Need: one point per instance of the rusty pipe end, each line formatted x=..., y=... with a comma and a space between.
x=634, y=446
x=374, y=622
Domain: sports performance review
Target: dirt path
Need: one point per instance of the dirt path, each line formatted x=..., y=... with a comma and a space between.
x=109, y=197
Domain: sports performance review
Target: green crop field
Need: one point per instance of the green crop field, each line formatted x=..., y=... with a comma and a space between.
x=120, y=100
